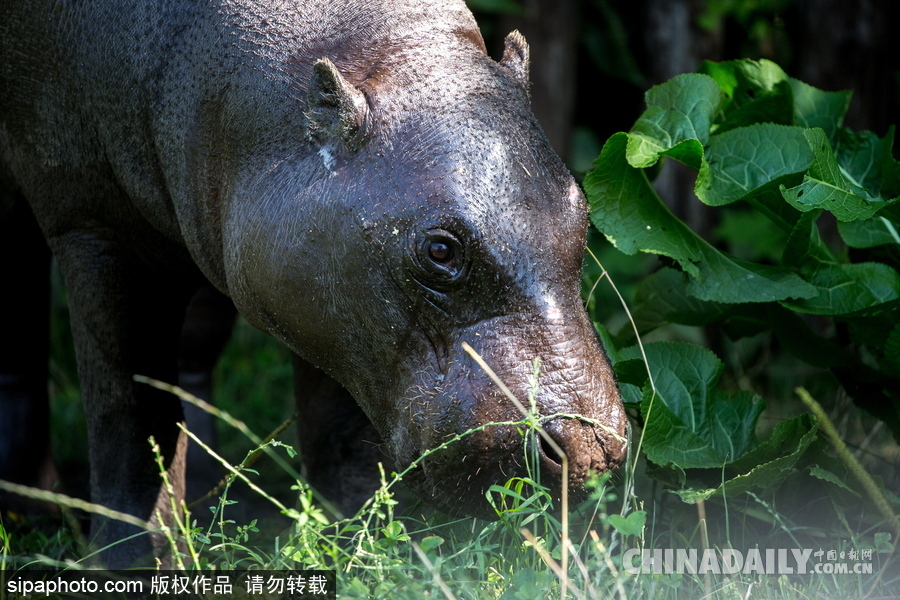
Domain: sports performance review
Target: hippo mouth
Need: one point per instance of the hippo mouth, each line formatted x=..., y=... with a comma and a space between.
x=456, y=476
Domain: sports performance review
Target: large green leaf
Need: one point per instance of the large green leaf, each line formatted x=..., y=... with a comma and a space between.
x=842, y=289
x=869, y=162
x=750, y=161
x=750, y=235
x=758, y=92
x=880, y=230
x=776, y=146
x=805, y=249
x=849, y=289
x=724, y=278
x=761, y=92
x=826, y=186
x=663, y=298
x=816, y=108
x=626, y=209
x=631, y=368
x=677, y=121
x=687, y=421
x=765, y=467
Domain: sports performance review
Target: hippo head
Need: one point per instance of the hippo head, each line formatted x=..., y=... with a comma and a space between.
x=428, y=210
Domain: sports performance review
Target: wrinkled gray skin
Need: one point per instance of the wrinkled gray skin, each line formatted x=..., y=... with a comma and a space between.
x=163, y=142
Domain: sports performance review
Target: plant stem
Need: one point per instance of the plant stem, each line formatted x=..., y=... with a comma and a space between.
x=857, y=469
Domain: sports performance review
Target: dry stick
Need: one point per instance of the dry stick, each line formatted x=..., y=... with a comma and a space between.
x=591, y=592
x=565, y=461
x=235, y=471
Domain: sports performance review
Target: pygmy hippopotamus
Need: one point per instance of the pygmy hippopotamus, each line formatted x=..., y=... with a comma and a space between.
x=361, y=179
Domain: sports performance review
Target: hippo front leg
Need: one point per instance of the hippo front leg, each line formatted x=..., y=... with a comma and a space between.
x=126, y=320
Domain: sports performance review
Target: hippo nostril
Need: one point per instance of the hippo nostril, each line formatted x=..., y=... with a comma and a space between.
x=549, y=451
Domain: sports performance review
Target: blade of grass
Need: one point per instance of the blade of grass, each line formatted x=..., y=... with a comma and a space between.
x=637, y=452
x=546, y=437
x=70, y=502
x=262, y=444
x=601, y=550
x=434, y=573
x=554, y=566
x=236, y=472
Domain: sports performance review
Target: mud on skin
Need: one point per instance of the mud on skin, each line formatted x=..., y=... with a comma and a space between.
x=363, y=182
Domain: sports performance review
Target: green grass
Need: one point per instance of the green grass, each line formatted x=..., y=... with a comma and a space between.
x=412, y=552
x=426, y=554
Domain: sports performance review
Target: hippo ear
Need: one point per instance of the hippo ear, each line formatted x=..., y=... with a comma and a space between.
x=336, y=107
x=515, y=56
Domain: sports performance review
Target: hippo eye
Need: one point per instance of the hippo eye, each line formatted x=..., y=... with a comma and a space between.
x=440, y=252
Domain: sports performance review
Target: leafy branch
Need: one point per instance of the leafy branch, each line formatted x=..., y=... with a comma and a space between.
x=764, y=143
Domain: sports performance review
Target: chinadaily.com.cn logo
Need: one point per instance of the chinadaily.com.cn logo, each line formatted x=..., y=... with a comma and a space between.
x=769, y=561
